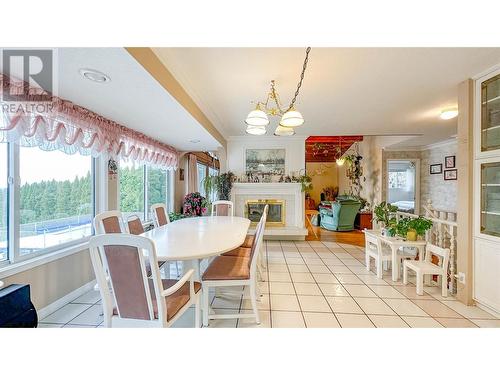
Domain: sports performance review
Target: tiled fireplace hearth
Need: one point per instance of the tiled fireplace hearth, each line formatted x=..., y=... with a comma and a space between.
x=292, y=226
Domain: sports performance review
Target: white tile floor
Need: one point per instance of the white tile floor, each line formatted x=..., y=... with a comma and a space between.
x=317, y=285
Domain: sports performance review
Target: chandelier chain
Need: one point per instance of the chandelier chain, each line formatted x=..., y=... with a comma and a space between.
x=304, y=66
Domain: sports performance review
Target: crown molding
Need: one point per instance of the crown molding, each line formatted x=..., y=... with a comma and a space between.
x=249, y=138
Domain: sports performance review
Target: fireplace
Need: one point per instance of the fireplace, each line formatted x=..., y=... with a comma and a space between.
x=275, y=216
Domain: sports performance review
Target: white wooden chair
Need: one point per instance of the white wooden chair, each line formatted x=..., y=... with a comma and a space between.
x=137, y=300
x=109, y=222
x=426, y=267
x=159, y=214
x=134, y=225
x=222, y=208
x=375, y=249
x=230, y=271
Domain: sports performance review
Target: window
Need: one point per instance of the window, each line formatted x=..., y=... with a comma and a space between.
x=3, y=202
x=55, y=198
x=141, y=187
x=213, y=172
x=132, y=189
x=397, y=179
x=202, y=171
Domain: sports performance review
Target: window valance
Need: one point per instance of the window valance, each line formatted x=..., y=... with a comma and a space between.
x=60, y=124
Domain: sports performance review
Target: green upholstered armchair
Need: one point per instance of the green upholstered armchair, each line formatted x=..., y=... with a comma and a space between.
x=341, y=216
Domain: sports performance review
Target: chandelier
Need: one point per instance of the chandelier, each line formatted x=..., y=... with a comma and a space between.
x=257, y=120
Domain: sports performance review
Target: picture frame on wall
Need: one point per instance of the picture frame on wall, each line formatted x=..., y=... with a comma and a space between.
x=436, y=168
x=449, y=162
x=181, y=174
x=450, y=174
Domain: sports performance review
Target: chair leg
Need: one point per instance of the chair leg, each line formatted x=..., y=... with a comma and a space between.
x=177, y=269
x=197, y=312
x=205, y=293
x=253, y=298
x=367, y=261
x=444, y=286
x=379, y=268
x=420, y=284
x=405, y=274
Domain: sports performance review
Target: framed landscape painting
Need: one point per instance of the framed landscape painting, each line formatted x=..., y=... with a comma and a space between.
x=436, y=168
x=265, y=162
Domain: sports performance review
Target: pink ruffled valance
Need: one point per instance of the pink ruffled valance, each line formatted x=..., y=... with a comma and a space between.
x=63, y=125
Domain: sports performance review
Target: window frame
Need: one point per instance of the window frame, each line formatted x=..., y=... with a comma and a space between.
x=13, y=210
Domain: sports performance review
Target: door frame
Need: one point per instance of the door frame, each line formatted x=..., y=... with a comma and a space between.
x=417, y=180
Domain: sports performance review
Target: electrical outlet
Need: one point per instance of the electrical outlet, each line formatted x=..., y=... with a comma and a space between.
x=461, y=277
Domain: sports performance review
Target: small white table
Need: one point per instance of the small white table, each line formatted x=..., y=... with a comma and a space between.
x=395, y=243
x=196, y=238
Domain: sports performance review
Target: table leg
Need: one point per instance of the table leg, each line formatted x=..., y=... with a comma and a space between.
x=395, y=265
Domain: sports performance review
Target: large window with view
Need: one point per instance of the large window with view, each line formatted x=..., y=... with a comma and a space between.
x=131, y=189
x=55, y=199
x=3, y=202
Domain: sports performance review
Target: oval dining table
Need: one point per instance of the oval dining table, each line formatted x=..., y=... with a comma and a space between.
x=193, y=239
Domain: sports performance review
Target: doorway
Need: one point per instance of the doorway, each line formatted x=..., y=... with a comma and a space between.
x=403, y=184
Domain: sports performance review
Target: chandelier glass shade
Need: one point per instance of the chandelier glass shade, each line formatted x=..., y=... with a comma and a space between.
x=256, y=130
x=284, y=131
x=257, y=117
x=292, y=119
x=340, y=161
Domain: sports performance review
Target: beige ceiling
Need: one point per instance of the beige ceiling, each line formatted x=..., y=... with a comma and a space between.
x=346, y=91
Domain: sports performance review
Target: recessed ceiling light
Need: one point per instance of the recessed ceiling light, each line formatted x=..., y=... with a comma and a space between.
x=449, y=113
x=194, y=141
x=94, y=75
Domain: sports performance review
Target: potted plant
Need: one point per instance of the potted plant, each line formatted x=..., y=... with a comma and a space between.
x=224, y=184
x=412, y=228
x=385, y=214
x=194, y=204
x=306, y=182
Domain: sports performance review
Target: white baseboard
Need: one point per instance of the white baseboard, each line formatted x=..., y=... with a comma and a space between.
x=489, y=310
x=56, y=305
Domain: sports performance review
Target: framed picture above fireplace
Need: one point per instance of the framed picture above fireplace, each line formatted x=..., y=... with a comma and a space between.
x=265, y=162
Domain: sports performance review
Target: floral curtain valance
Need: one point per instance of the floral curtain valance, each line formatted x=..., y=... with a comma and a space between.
x=60, y=124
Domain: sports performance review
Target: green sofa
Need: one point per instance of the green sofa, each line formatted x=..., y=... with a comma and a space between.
x=340, y=217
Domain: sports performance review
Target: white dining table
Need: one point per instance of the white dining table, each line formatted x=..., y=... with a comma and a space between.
x=193, y=239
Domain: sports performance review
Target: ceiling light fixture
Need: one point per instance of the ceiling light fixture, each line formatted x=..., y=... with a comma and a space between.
x=340, y=161
x=94, y=75
x=449, y=113
x=290, y=117
x=194, y=141
x=256, y=130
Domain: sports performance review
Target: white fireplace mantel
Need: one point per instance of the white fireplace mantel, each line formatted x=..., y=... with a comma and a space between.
x=294, y=204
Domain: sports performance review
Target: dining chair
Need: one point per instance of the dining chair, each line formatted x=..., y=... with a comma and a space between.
x=159, y=214
x=231, y=271
x=136, y=300
x=375, y=249
x=222, y=208
x=425, y=266
x=109, y=222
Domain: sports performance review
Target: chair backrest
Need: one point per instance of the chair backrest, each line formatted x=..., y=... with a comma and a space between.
x=134, y=224
x=222, y=208
x=373, y=241
x=159, y=214
x=442, y=254
x=109, y=222
x=122, y=255
x=259, y=236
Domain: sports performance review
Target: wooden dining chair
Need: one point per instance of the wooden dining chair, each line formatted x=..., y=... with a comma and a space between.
x=230, y=271
x=159, y=214
x=137, y=300
x=222, y=208
x=109, y=222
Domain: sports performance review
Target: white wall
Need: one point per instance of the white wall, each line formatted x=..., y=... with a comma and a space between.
x=237, y=146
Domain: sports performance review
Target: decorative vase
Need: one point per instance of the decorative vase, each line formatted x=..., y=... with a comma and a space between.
x=411, y=235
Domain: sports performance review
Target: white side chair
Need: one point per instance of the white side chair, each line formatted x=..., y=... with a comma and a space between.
x=229, y=271
x=109, y=222
x=137, y=300
x=159, y=214
x=375, y=249
x=222, y=208
x=426, y=267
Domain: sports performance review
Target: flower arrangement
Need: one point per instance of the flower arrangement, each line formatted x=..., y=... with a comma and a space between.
x=194, y=204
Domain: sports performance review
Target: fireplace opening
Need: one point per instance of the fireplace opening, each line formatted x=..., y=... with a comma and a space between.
x=275, y=215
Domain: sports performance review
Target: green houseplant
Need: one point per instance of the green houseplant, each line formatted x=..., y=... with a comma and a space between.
x=221, y=184
x=306, y=182
x=412, y=228
x=385, y=213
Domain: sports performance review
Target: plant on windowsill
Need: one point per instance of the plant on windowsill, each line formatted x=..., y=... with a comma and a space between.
x=412, y=228
x=221, y=185
x=173, y=216
x=385, y=214
x=194, y=205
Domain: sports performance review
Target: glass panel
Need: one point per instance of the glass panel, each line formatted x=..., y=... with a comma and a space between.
x=213, y=172
x=157, y=186
x=201, y=176
x=490, y=199
x=132, y=189
x=55, y=198
x=4, y=255
x=490, y=114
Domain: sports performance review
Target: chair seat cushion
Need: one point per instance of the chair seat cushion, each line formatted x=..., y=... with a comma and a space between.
x=248, y=241
x=228, y=268
x=239, y=252
x=425, y=267
x=175, y=302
